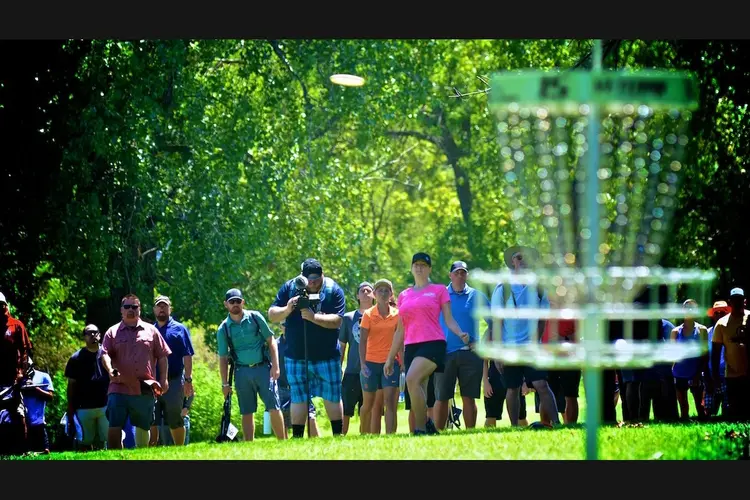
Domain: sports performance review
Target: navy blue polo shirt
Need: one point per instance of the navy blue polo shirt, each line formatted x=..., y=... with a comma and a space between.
x=177, y=337
x=322, y=343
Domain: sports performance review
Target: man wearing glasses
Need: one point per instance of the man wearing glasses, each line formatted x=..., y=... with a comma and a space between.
x=131, y=350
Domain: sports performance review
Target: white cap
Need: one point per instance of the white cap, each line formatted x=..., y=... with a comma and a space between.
x=2, y=298
x=737, y=291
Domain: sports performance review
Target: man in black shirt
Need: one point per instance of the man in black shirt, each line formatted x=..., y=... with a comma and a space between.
x=88, y=383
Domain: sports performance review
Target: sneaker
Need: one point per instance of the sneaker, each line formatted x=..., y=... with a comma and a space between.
x=540, y=425
x=418, y=432
x=430, y=426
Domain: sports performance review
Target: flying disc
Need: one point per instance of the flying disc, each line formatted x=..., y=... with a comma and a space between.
x=348, y=80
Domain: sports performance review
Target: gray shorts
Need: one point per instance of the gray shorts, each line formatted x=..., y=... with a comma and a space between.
x=139, y=408
x=378, y=379
x=465, y=366
x=251, y=382
x=168, y=407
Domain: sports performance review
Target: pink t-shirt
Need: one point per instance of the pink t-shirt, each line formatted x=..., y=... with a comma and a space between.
x=420, y=313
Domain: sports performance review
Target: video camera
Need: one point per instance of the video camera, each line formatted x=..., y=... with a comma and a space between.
x=306, y=299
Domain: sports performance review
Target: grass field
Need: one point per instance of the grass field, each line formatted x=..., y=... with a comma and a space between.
x=666, y=442
x=691, y=441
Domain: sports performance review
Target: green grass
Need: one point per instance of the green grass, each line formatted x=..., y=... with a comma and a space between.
x=691, y=441
x=667, y=442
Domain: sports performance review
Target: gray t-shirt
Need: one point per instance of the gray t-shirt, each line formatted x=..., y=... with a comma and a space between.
x=349, y=333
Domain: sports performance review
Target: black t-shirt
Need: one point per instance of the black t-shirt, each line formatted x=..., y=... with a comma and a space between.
x=92, y=380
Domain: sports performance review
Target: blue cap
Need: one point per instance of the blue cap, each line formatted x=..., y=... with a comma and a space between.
x=737, y=292
x=233, y=293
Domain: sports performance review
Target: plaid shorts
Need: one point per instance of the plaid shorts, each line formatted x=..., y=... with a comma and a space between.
x=720, y=393
x=324, y=379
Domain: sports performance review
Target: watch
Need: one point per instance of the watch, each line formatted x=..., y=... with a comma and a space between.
x=189, y=380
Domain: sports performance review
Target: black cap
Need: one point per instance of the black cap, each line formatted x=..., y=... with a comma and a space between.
x=421, y=256
x=233, y=293
x=459, y=264
x=311, y=269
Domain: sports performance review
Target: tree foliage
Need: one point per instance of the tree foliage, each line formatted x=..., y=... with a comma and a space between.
x=187, y=167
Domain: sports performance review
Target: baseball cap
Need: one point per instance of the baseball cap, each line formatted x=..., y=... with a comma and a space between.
x=459, y=264
x=364, y=283
x=2, y=299
x=382, y=282
x=737, y=292
x=233, y=293
x=312, y=269
x=423, y=257
x=162, y=298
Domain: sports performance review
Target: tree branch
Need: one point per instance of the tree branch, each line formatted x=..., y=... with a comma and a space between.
x=419, y=135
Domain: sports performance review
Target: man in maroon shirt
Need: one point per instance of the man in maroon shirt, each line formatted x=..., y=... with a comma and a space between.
x=131, y=350
x=15, y=346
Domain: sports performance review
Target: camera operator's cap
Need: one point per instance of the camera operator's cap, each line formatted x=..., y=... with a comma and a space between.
x=719, y=306
x=162, y=298
x=737, y=292
x=312, y=269
x=459, y=264
x=233, y=293
x=364, y=283
x=2, y=299
x=382, y=282
x=421, y=256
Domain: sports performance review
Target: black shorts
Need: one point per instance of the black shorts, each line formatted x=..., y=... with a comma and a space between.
x=683, y=384
x=37, y=438
x=430, y=394
x=493, y=406
x=351, y=393
x=434, y=350
x=516, y=375
x=568, y=381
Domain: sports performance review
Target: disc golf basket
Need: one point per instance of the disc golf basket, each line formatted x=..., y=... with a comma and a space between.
x=592, y=161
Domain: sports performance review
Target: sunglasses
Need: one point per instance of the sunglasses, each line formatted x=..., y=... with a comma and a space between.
x=235, y=301
x=130, y=306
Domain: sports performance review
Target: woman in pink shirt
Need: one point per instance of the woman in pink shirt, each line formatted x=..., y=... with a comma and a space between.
x=423, y=339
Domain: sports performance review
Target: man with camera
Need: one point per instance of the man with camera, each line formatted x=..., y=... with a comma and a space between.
x=312, y=307
x=245, y=336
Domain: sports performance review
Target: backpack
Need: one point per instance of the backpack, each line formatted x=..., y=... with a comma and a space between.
x=507, y=292
x=233, y=353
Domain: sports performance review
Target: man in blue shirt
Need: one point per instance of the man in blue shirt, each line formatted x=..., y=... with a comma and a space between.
x=520, y=331
x=318, y=324
x=179, y=373
x=461, y=362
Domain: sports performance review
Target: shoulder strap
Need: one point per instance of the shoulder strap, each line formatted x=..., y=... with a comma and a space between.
x=232, y=353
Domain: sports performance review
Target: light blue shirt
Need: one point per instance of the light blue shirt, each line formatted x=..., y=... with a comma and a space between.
x=518, y=331
x=462, y=308
x=34, y=403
